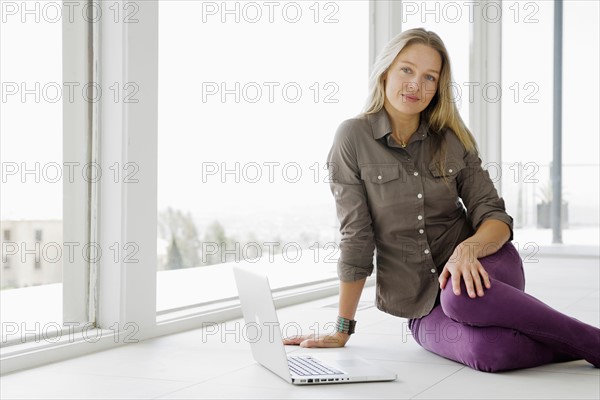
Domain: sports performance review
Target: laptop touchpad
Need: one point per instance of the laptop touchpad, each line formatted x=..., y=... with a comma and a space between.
x=351, y=363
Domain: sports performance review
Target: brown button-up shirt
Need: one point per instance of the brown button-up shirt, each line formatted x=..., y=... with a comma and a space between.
x=394, y=200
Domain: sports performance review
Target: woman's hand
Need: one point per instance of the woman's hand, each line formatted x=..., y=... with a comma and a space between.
x=463, y=263
x=335, y=339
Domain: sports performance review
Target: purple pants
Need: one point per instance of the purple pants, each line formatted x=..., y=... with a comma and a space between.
x=506, y=328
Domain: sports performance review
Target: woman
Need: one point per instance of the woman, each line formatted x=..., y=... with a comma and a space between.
x=403, y=173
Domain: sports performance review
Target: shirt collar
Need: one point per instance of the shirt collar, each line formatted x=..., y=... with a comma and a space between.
x=381, y=126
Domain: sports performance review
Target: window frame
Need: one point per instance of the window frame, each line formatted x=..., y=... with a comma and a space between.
x=128, y=54
x=17, y=353
x=76, y=120
x=485, y=66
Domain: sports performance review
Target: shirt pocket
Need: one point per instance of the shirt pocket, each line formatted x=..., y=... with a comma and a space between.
x=383, y=183
x=380, y=173
x=443, y=185
x=451, y=169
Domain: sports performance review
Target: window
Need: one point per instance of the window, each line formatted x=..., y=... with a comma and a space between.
x=527, y=120
x=43, y=151
x=32, y=160
x=246, y=120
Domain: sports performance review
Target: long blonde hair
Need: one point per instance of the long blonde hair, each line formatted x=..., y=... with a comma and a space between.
x=441, y=113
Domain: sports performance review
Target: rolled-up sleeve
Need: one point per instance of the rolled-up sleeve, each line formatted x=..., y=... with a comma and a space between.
x=357, y=243
x=479, y=195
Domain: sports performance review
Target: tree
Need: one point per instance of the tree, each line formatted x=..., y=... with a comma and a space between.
x=216, y=243
x=180, y=231
x=174, y=260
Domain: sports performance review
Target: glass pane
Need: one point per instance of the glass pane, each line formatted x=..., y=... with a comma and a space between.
x=250, y=96
x=527, y=73
x=32, y=172
x=581, y=142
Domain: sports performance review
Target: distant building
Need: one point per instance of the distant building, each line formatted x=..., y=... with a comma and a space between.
x=31, y=253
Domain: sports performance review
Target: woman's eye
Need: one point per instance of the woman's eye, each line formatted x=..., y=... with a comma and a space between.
x=430, y=78
x=405, y=69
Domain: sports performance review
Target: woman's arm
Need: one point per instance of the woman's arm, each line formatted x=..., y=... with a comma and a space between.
x=489, y=237
x=349, y=296
x=357, y=244
x=486, y=212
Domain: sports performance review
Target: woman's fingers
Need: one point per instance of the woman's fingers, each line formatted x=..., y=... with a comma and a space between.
x=477, y=281
x=456, y=283
x=325, y=341
x=336, y=339
x=313, y=343
x=470, y=276
x=480, y=279
x=443, y=279
x=473, y=274
x=485, y=276
x=296, y=340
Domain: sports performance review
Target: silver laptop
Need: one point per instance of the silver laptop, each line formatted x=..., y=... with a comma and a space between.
x=264, y=335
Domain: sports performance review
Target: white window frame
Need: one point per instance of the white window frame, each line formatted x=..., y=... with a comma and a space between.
x=385, y=23
x=76, y=142
x=485, y=66
x=128, y=57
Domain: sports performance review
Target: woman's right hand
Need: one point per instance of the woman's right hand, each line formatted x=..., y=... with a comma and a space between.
x=335, y=339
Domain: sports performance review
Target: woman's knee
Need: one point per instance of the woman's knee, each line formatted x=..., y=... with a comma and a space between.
x=456, y=307
x=479, y=311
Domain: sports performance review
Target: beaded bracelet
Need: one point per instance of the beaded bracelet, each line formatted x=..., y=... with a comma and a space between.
x=345, y=325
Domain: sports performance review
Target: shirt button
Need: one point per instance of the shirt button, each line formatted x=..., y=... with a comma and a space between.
x=415, y=173
x=379, y=177
x=450, y=170
x=419, y=217
x=419, y=195
x=421, y=231
x=426, y=251
x=433, y=270
x=336, y=193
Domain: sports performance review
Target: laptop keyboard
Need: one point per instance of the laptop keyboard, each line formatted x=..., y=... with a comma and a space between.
x=307, y=366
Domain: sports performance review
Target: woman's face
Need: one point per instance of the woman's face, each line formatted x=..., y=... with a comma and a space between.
x=412, y=79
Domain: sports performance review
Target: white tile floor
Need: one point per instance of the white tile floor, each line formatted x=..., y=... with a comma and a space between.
x=193, y=365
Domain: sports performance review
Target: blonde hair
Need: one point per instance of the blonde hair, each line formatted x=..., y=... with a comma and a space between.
x=441, y=113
